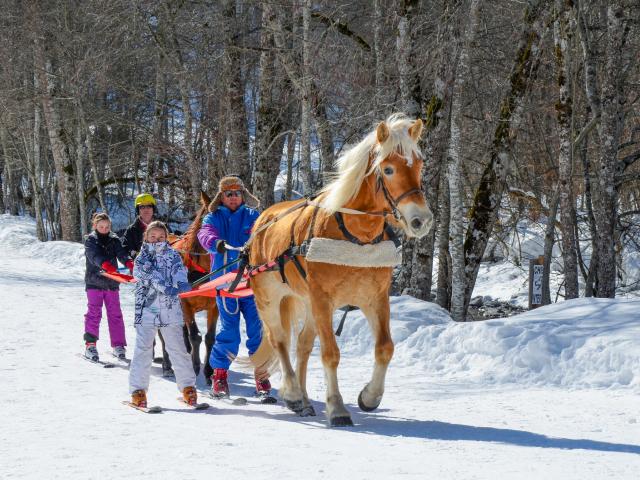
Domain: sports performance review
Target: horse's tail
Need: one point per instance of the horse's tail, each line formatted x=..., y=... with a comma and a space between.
x=264, y=361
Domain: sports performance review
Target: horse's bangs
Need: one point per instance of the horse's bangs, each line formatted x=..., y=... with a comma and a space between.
x=351, y=166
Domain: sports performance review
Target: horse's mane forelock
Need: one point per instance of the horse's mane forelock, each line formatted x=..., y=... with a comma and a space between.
x=352, y=165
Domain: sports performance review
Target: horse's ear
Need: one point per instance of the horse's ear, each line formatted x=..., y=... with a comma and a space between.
x=415, y=130
x=204, y=198
x=382, y=132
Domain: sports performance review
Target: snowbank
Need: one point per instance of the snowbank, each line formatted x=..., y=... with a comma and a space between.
x=580, y=343
x=19, y=235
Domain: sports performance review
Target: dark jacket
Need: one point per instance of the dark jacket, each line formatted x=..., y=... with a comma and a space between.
x=132, y=238
x=97, y=250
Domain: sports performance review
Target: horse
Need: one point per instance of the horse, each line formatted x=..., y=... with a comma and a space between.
x=198, y=263
x=376, y=179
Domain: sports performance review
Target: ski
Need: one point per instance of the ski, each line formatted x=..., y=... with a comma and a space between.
x=122, y=359
x=237, y=401
x=197, y=406
x=143, y=409
x=98, y=362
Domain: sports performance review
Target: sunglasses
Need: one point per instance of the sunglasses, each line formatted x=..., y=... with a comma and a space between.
x=232, y=193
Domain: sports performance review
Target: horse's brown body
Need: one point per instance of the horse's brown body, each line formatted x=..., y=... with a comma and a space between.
x=193, y=254
x=330, y=286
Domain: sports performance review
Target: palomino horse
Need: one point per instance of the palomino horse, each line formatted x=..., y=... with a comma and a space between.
x=378, y=177
x=198, y=263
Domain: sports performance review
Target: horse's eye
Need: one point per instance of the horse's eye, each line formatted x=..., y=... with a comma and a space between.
x=388, y=171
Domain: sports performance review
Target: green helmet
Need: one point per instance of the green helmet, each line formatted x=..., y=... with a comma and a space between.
x=144, y=199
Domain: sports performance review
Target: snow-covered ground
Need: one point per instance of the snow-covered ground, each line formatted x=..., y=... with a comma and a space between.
x=553, y=393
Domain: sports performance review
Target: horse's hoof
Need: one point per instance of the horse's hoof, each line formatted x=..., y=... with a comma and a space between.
x=294, y=405
x=308, y=412
x=364, y=407
x=341, y=422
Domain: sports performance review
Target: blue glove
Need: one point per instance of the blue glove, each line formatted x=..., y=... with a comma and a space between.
x=171, y=291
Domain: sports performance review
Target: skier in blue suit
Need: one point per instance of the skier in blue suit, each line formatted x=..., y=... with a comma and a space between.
x=231, y=216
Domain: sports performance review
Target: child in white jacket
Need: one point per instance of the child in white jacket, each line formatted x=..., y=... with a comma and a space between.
x=160, y=276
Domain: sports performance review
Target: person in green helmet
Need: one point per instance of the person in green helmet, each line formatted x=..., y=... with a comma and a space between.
x=146, y=211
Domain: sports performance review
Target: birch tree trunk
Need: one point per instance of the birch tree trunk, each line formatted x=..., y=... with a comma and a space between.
x=549, y=240
x=305, y=119
x=269, y=124
x=484, y=211
x=379, y=60
x=238, y=134
x=563, y=33
x=611, y=128
x=443, y=292
x=410, y=99
x=435, y=146
x=80, y=154
x=58, y=138
x=455, y=172
x=8, y=174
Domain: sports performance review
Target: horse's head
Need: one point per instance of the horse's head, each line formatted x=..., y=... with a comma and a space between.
x=398, y=166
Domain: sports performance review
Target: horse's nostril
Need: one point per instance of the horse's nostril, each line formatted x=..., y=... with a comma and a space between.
x=416, y=223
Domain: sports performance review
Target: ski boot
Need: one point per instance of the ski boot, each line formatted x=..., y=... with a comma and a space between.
x=190, y=396
x=120, y=352
x=91, y=352
x=263, y=386
x=139, y=398
x=220, y=388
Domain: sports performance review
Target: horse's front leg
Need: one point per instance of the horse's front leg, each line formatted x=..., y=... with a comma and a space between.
x=167, y=370
x=337, y=413
x=193, y=339
x=378, y=316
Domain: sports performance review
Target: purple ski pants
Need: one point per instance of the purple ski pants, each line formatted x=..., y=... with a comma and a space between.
x=111, y=300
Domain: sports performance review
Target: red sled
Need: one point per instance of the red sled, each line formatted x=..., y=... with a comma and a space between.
x=119, y=277
x=219, y=287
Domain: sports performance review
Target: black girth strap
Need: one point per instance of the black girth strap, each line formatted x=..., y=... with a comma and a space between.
x=352, y=238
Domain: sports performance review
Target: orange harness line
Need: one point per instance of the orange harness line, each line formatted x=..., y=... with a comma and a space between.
x=193, y=265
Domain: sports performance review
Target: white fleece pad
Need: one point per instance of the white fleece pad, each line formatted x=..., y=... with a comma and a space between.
x=342, y=252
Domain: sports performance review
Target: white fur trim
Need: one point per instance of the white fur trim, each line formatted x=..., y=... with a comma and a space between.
x=342, y=252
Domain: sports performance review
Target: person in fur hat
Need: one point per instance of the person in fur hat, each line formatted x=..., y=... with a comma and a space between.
x=231, y=216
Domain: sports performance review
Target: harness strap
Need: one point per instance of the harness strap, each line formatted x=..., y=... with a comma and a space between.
x=352, y=238
x=244, y=261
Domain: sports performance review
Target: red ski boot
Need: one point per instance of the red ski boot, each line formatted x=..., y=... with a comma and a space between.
x=220, y=387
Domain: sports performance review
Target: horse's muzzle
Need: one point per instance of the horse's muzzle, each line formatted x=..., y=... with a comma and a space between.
x=418, y=219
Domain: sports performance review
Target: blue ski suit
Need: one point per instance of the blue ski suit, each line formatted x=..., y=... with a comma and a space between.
x=234, y=228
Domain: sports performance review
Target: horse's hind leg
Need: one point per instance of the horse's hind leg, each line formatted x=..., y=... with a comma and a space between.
x=337, y=413
x=276, y=317
x=378, y=316
x=303, y=350
x=210, y=339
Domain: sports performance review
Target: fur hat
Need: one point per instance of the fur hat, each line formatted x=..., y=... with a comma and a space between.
x=233, y=182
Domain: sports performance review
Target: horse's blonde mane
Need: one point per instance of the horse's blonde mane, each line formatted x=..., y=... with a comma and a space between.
x=351, y=166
